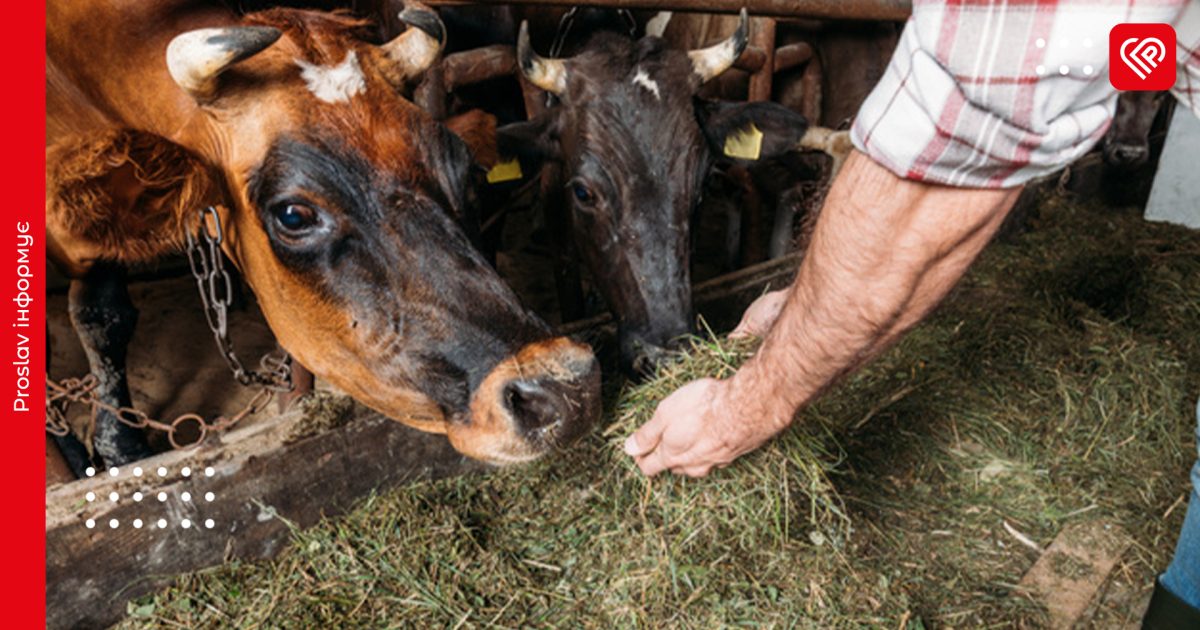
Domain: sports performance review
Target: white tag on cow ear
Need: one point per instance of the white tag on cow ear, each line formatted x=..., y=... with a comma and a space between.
x=505, y=171
x=744, y=144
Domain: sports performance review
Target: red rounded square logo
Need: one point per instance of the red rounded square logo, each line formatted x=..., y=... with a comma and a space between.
x=1141, y=57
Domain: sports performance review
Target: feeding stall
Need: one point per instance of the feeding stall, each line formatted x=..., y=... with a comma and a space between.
x=242, y=488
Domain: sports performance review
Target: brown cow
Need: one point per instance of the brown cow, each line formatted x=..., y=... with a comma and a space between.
x=339, y=200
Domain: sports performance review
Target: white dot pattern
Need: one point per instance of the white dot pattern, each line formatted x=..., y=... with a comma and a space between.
x=137, y=496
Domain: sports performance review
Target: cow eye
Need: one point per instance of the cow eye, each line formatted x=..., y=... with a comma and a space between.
x=582, y=193
x=295, y=217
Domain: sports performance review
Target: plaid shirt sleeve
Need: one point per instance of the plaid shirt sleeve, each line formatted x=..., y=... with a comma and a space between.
x=1187, y=39
x=984, y=94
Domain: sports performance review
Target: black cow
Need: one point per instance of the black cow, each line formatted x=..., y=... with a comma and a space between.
x=635, y=143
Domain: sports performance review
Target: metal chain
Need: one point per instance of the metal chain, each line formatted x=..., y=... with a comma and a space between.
x=60, y=395
x=216, y=293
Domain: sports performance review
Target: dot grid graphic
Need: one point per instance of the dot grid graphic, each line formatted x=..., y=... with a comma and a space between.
x=155, y=521
x=1086, y=70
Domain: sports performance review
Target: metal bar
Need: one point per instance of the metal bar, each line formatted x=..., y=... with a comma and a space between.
x=895, y=10
x=792, y=55
x=810, y=99
x=480, y=64
x=751, y=59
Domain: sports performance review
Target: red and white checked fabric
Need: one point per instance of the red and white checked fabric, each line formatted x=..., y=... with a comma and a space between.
x=993, y=94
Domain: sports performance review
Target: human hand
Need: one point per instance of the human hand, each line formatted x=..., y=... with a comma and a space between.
x=695, y=429
x=760, y=315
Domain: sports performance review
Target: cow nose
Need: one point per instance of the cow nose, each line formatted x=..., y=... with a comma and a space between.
x=640, y=358
x=647, y=360
x=1128, y=155
x=544, y=407
x=536, y=404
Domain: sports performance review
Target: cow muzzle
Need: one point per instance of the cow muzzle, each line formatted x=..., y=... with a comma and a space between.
x=543, y=397
x=642, y=354
x=1126, y=155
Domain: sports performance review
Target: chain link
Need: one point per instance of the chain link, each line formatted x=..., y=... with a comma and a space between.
x=216, y=293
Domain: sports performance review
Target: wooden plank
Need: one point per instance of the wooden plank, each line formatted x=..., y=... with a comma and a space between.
x=894, y=10
x=262, y=475
x=1068, y=576
x=762, y=37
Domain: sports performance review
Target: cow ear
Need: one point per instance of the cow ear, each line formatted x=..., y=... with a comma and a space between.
x=124, y=195
x=535, y=140
x=453, y=166
x=477, y=128
x=750, y=131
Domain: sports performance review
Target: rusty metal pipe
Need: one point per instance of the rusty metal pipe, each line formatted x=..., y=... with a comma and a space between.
x=751, y=60
x=478, y=65
x=792, y=55
x=894, y=10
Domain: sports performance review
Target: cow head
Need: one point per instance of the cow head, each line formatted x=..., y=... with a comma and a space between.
x=635, y=144
x=342, y=208
x=1127, y=142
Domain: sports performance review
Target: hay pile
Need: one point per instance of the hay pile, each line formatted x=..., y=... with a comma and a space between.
x=1056, y=384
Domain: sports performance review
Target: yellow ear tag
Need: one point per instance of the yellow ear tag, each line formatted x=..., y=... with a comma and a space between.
x=505, y=172
x=745, y=144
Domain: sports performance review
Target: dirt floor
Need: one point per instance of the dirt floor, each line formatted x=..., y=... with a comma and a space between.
x=1055, y=387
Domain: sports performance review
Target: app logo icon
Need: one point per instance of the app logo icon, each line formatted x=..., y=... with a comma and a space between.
x=1141, y=57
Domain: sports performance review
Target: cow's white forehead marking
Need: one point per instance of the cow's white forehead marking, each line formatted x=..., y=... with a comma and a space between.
x=334, y=84
x=641, y=78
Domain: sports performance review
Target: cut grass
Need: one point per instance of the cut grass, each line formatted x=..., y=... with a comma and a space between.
x=1057, y=383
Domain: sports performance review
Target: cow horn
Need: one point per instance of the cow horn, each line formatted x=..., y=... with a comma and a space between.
x=712, y=61
x=196, y=58
x=417, y=48
x=548, y=74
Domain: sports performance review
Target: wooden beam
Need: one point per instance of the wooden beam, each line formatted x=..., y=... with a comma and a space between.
x=1070, y=573
x=265, y=476
x=762, y=37
x=894, y=10
x=489, y=62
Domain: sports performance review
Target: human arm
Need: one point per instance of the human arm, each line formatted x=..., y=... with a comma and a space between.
x=884, y=252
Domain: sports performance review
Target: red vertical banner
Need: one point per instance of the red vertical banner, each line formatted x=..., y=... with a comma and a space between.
x=23, y=234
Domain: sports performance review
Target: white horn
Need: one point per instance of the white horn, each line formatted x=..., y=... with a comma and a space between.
x=548, y=74
x=196, y=58
x=417, y=48
x=712, y=61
